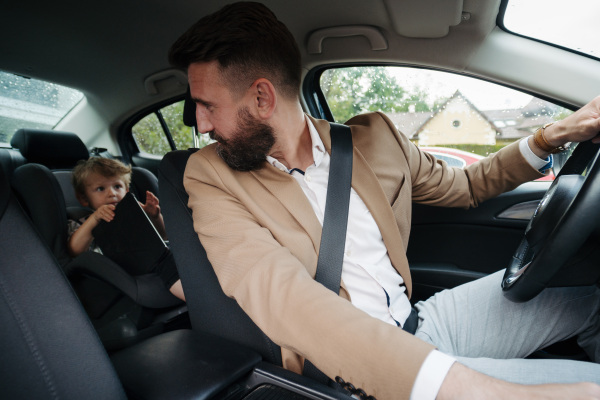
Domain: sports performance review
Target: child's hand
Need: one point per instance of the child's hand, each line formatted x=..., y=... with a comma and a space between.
x=105, y=212
x=151, y=207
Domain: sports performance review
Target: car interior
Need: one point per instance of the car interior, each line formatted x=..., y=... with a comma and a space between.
x=81, y=80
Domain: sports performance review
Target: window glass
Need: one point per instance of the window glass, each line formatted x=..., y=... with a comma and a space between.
x=572, y=24
x=31, y=103
x=150, y=136
x=182, y=134
x=454, y=115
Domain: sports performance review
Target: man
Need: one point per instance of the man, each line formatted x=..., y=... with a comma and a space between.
x=258, y=196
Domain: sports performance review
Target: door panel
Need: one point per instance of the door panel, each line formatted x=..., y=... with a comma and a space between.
x=449, y=246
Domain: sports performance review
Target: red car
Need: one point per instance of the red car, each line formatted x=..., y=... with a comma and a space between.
x=460, y=158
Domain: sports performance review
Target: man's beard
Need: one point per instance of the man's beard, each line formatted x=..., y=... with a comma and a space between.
x=249, y=144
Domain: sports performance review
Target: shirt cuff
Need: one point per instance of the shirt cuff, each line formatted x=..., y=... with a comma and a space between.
x=431, y=375
x=538, y=163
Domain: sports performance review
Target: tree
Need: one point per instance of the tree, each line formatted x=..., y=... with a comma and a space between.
x=356, y=90
x=151, y=138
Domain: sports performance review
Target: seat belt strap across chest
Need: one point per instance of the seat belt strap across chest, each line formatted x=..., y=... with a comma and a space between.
x=335, y=221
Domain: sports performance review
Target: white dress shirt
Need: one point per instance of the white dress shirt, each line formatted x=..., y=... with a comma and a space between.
x=372, y=282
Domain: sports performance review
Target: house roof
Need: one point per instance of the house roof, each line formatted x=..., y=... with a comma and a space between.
x=528, y=118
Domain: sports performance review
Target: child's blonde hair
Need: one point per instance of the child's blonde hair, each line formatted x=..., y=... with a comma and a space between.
x=106, y=167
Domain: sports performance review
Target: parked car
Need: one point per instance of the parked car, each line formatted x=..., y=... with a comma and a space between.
x=459, y=158
x=93, y=79
x=454, y=157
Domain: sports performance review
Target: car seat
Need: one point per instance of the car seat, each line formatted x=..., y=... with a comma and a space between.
x=50, y=350
x=123, y=307
x=44, y=330
x=209, y=308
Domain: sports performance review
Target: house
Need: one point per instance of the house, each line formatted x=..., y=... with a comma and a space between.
x=458, y=121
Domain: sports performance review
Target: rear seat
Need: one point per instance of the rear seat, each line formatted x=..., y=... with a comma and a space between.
x=11, y=159
x=121, y=305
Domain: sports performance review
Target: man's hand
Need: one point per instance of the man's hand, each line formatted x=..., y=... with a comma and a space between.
x=464, y=383
x=105, y=212
x=582, y=125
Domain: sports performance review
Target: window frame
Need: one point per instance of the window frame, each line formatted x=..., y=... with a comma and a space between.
x=127, y=143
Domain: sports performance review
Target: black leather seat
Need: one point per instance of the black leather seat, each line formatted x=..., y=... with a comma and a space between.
x=11, y=159
x=210, y=310
x=50, y=350
x=124, y=307
x=49, y=347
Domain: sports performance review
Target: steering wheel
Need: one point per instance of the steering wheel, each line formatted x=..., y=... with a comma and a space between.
x=562, y=223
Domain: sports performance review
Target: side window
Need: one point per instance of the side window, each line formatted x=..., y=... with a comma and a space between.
x=163, y=130
x=456, y=118
x=150, y=137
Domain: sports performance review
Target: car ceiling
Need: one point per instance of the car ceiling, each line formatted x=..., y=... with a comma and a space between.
x=108, y=49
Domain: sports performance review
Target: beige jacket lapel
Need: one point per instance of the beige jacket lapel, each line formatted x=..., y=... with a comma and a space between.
x=285, y=188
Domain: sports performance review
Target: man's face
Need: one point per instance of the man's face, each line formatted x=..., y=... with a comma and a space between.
x=243, y=140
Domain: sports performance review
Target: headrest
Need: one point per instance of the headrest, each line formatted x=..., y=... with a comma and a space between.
x=54, y=149
x=189, y=110
x=4, y=190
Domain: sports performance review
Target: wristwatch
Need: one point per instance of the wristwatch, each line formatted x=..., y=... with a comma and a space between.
x=542, y=143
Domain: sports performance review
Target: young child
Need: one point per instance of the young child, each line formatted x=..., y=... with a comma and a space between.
x=100, y=184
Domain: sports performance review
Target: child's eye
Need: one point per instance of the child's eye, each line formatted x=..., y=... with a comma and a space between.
x=118, y=186
x=99, y=189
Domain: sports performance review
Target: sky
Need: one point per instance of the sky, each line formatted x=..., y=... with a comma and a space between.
x=484, y=95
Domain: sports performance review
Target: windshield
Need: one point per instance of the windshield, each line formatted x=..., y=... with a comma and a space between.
x=571, y=24
x=31, y=103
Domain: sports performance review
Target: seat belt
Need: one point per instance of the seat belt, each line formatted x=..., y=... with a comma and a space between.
x=335, y=221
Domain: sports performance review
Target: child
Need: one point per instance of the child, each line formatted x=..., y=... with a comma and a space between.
x=100, y=184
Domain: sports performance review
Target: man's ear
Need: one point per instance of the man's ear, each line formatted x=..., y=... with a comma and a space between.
x=265, y=97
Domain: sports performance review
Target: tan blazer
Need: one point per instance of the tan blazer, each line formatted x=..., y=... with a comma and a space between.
x=262, y=238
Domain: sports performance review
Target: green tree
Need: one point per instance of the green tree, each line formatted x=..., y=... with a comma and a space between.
x=151, y=138
x=356, y=90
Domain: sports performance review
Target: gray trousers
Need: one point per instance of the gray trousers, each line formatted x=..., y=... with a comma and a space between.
x=483, y=330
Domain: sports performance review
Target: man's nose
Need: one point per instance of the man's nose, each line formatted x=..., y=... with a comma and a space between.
x=204, y=125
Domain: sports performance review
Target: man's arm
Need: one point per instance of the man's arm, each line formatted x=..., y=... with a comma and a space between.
x=464, y=383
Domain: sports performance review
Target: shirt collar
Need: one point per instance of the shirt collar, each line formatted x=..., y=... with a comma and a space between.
x=318, y=149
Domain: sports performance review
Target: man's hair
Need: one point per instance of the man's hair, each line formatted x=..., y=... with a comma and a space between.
x=106, y=167
x=249, y=43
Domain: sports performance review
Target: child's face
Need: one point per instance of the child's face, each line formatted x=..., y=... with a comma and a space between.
x=101, y=190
